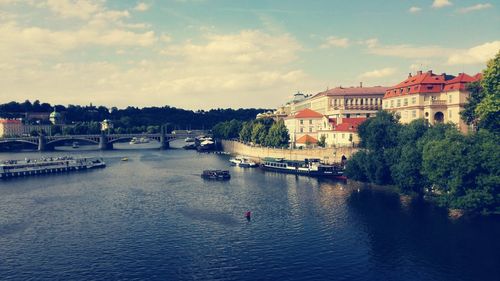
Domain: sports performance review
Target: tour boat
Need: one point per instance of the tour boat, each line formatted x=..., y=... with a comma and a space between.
x=216, y=175
x=75, y=144
x=308, y=167
x=242, y=161
x=30, y=167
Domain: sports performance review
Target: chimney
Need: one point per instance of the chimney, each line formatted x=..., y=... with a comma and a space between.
x=361, y=84
x=419, y=72
x=430, y=71
x=409, y=75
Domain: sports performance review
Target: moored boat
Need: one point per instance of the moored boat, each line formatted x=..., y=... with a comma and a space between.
x=308, y=167
x=30, y=167
x=242, y=161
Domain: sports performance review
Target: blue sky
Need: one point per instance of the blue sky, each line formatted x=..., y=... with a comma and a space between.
x=226, y=53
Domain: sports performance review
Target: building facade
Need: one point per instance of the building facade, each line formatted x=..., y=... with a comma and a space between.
x=436, y=98
x=302, y=123
x=11, y=127
x=352, y=102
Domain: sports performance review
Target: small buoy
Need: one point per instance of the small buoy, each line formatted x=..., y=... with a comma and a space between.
x=358, y=190
x=248, y=215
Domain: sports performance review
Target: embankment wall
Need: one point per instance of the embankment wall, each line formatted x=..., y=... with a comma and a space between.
x=328, y=155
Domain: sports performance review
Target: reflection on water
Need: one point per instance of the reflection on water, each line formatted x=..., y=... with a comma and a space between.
x=153, y=217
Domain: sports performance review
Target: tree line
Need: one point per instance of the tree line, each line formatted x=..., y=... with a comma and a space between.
x=85, y=119
x=264, y=132
x=456, y=170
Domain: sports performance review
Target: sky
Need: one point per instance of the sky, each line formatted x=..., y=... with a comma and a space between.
x=202, y=54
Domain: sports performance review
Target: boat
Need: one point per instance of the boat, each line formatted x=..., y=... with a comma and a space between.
x=216, y=175
x=206, y=144
x=188, y=139
x=190, y=145
x=76, y=144
x=308, y=167
x=242, y=161
x=136, y=140
x=124, y=159
x=30, y=167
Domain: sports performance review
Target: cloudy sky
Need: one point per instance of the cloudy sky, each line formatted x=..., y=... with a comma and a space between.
x=201, y=54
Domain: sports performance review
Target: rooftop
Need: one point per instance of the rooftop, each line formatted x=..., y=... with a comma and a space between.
x=308, y=113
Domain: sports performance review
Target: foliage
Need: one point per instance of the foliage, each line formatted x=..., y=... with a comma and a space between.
x=380, y=132
x=277, y=135
x=468, y=114
x=488, y=110
x=322, y=141
x=228, y=129
x=246, y=131
x=259, y=133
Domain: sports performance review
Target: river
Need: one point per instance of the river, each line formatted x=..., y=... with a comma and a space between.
x=153, y=217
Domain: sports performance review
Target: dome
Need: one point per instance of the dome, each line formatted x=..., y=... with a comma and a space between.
x=54, y=114
x=55, y=117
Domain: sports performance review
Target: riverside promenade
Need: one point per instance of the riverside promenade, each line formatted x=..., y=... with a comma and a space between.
x=327, y=155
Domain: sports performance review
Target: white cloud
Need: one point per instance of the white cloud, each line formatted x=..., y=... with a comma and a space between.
x=476, y=7
x=404, y=50
x=141, y=7
x=441, y=3
x=475, y=55
x=379, y=73
x=82, y=9
x=415, y=9
x=334, y=41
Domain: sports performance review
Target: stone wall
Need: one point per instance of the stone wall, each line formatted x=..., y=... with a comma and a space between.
x=328, y=155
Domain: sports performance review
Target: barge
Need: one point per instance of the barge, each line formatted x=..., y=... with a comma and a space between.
x=308, y=167
x=50, y=165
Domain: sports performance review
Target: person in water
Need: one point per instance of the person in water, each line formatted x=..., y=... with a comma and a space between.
x=248, y=215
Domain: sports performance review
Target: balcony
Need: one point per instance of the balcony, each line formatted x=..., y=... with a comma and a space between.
x=436, y=102
x=363, y=107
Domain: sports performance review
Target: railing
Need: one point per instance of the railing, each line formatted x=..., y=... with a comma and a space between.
x=436, y=102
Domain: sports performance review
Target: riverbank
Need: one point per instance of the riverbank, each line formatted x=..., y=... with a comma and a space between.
x=327, y=155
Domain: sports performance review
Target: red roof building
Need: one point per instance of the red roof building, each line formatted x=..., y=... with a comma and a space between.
x=307, y=113
x=307, y=139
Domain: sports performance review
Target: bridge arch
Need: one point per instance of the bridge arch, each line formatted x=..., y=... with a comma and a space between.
x=60, y=141
x=18, y=141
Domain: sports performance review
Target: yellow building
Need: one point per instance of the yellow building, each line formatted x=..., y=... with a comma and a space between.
x=351, y=102
x=436, y=98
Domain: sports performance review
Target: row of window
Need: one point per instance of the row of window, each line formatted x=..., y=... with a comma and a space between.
x=360, y=101
x=398, y=102
x=342, y=136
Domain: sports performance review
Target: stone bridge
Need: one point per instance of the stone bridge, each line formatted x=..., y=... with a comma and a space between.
x=104, y=141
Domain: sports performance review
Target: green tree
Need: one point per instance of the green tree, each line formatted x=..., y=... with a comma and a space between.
x=246, y=131
x=322, y=141
x=259, y=133
x=468, y=114
x=277, y=135
x=488, y=110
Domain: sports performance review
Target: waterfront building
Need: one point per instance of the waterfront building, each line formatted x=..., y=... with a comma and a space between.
x=350, y=102
x=304, y=122
x=307, y=126
x=437, y=98
x=11, y=127
x=340, y=132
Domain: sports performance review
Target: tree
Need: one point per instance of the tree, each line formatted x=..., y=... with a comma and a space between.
x=246, y=132
x=322, y=141
x=380, y=132
x=277, y=135
x=488, y=110
x=259, y=133
x=468, y=114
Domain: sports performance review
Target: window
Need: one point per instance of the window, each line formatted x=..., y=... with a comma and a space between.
x=405, y=102
x=334, y=135
x=342, y=135
x=310, y=129
x=449, y=98
x=398, y=103
x=414, y=114
x=386, y=104
x=392, y=103
x=310, y=122
x=301, y=122
x=301, y=130
x=449, y=113
x=414, y=100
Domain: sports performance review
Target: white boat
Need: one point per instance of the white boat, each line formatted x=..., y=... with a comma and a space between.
x=139, y=140
x=188, y=139
x=242, y=161
x=76, y=144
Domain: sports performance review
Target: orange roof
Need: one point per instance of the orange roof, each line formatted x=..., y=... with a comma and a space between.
x=427, y=82
x=353, y=91
x=349, y=124
x=460, y=82
x=307, y=139
x=307, y=113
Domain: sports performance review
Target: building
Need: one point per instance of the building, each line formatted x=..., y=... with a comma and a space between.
x=302, y=123
x=340, y=132
x=437, y=98
x=11, y=127
x=351, y=102
x=307, y=127
x=55, y=117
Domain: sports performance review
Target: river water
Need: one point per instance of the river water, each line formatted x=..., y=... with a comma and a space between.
x=154, y=218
